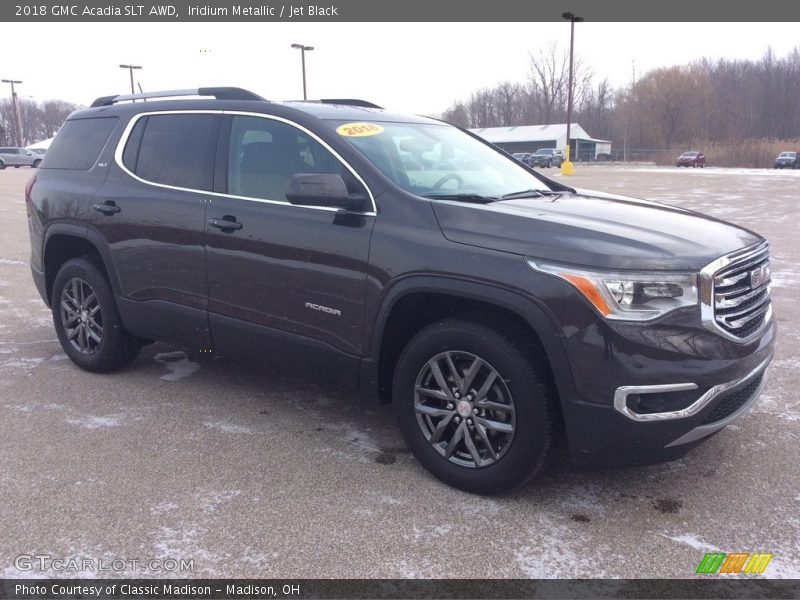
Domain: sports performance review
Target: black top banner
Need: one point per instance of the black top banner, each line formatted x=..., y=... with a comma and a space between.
x=398, y=11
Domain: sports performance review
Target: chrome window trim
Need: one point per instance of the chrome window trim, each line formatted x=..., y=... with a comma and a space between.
x=622, y=393
x=706, y=291
x=132, y=123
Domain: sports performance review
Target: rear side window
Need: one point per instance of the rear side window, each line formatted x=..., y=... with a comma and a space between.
x=77, y=146
x=176, y=150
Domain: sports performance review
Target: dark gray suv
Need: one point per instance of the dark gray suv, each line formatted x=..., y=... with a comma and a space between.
x=498, y=310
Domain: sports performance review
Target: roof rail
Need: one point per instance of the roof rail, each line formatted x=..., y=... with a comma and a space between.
x=350, y=102
x=220, y=93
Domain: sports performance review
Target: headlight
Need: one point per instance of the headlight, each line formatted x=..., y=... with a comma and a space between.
x=627, y=296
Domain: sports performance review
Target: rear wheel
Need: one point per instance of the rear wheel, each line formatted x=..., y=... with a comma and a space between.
x=2, y=165
x=36, y=163
x=86, y=319
x=473, y=408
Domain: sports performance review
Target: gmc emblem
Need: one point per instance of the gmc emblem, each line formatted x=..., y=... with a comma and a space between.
x=760, y=276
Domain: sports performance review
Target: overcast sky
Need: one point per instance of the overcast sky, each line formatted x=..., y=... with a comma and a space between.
x=410, y=67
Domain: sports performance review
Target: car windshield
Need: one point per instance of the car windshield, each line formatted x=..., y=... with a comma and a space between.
x=545, y=151
x=689, y=154
x=433, y=160
x=788, y=154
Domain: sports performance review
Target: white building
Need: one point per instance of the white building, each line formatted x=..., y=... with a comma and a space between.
x=529, y=138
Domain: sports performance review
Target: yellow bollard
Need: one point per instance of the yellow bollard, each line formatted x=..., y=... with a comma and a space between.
x=566, y=167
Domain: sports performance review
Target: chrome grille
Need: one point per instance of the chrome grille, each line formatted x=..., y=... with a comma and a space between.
x=738, y=292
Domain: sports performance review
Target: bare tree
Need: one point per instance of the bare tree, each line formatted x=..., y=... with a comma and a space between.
x=39, y=121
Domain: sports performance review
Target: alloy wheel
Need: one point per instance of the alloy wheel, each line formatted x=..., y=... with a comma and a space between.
x=464, y=409
x=81, y=316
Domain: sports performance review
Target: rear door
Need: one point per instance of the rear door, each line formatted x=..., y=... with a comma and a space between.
x=284, y=281
x=151, y=211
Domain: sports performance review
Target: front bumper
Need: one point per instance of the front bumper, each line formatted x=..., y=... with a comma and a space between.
x=702, y=388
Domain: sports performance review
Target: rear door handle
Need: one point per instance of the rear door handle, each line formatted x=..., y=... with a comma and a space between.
x=227, y=223
x=108, y=208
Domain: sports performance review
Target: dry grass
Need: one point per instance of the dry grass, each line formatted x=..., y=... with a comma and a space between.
x=748, y=153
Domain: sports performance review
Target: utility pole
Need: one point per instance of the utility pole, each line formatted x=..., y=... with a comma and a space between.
x=566, y=167
x=130, y=69
x=303, y=49
x=17, y=118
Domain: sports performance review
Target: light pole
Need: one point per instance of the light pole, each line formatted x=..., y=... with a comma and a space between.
x=17, y=120
x=567, y=168
x=303, y=49
x=130, y=69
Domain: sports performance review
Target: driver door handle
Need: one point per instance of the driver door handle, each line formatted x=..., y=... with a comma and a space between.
x=228, y=223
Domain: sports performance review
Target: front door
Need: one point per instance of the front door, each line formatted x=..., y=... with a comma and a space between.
x=284, y=281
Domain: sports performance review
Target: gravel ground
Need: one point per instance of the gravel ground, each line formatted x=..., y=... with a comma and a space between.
x=249, y=475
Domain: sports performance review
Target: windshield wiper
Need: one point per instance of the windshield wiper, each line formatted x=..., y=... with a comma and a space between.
x=529, y=194
x=476, y=198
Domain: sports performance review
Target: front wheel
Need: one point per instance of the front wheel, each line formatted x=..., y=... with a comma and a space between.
x=473, y=408
x=86, y=319
x=36, y=163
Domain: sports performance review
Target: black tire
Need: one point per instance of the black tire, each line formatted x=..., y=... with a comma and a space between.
x=2, y=165
x=80, y=278
x=523, y=383
x=16, y=166
x=36, y=163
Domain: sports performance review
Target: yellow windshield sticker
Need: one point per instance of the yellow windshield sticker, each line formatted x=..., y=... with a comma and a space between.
x=359, y=129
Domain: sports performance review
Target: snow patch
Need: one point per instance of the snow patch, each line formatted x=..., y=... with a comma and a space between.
x=692, y=541
x=556, y=550
x=225, y=427
x=90, y=422
x=23, y=363
x=177, y=364
x=211, y=501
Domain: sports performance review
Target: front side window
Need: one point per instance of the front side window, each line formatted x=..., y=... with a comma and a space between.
x=176, y=150
x=265, y=153
x=437, y=160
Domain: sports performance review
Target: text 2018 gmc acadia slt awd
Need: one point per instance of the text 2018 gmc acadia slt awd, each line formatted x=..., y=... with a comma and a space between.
x=492, y=306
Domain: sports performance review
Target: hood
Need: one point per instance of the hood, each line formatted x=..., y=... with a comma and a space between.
x=595, y=230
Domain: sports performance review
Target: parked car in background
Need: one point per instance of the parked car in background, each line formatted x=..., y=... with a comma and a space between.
x=787, y=160
x=692, y=158
x=523, y=157
x=18, y=157
x=39, y=151
x=546, y=157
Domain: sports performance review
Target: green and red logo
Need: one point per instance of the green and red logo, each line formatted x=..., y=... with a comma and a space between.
x=750, y=563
